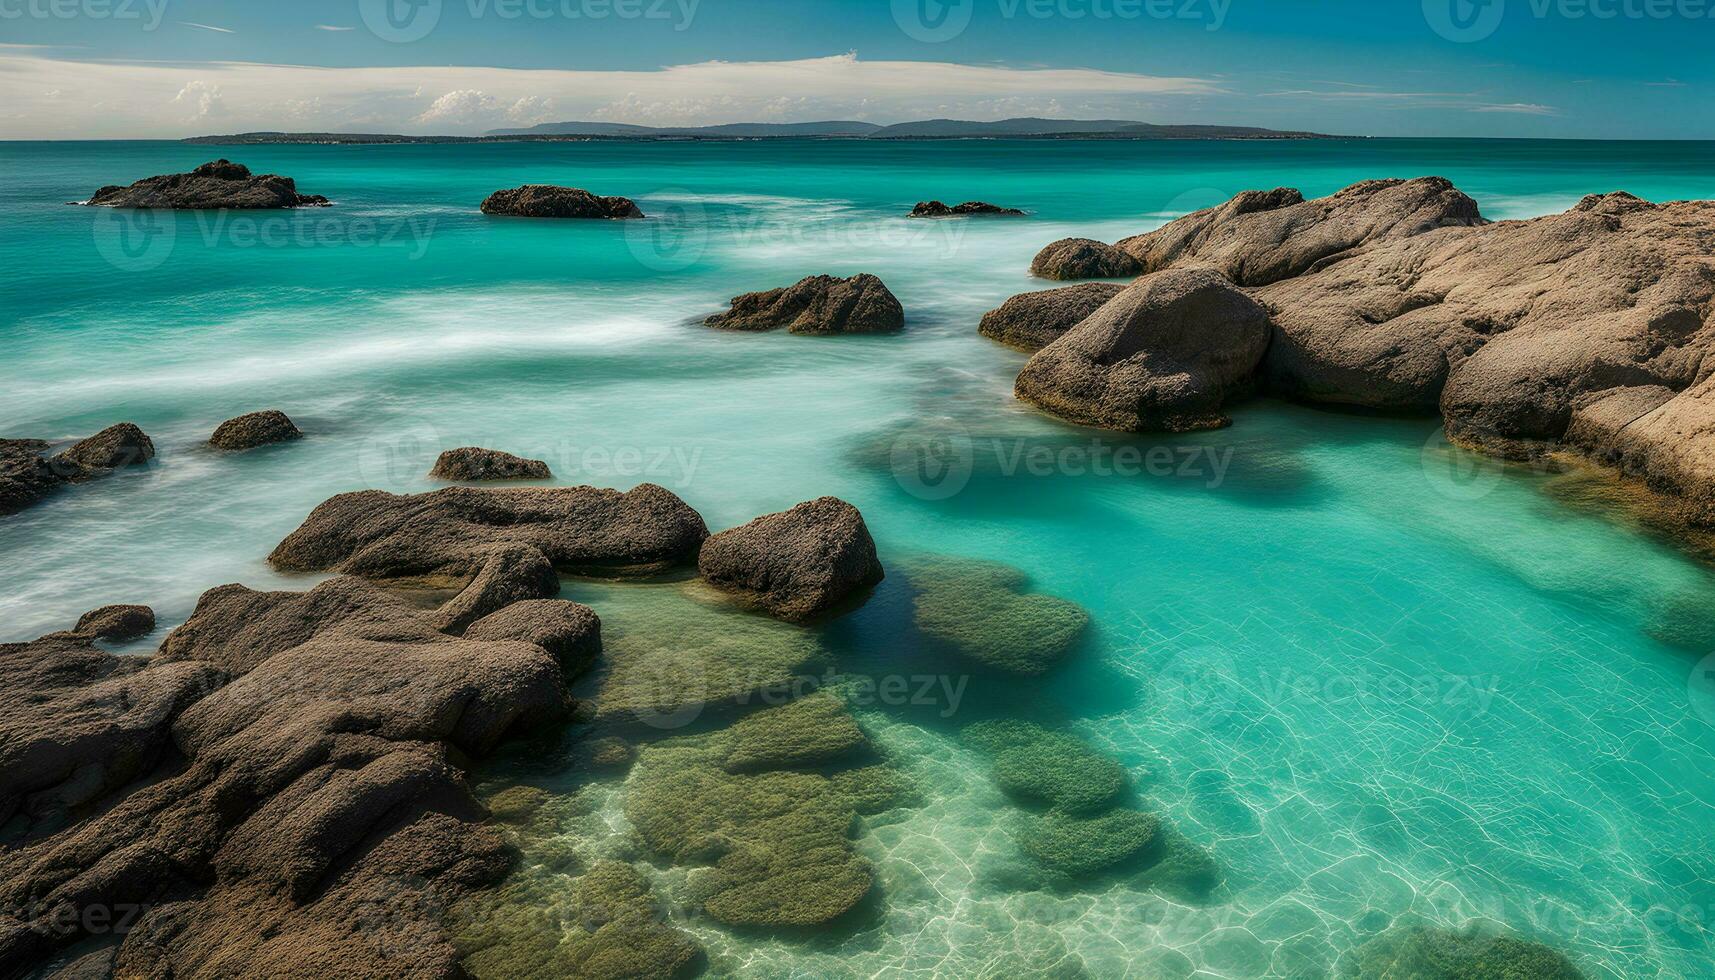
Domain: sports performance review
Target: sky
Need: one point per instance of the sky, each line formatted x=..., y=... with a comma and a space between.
x=1607, y=69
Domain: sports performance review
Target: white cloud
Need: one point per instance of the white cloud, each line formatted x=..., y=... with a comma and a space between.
x=208, y=27
x=330, y=27
x=143, y=99
x=1520, y=108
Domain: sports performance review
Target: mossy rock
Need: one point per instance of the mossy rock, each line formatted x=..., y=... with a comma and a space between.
x=1078, y=846
x=1418, y=952
x=608, y=752
x=980, y=608
x=516, y=804
x=1051, y=768
x=1182, y=868
x=813, y=729
x=876, y=789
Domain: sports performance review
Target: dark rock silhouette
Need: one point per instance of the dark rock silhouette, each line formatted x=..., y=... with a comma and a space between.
x=221, y=185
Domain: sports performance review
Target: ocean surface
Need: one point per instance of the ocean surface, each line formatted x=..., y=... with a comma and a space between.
x=1378, y=679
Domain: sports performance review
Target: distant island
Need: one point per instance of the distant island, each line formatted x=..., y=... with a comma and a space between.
x=928, y=129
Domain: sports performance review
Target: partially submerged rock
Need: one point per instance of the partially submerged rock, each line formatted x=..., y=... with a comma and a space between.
x=28, y=477
x=503, y=545
x=118, y=622
x=1032, y=321
x=982, y=610
x=255, y=429
x=222, y=185
x=821, y=305
x=1084, y=258
x=549, y=201
x=112, y=448
x=1167, y=354
x=472, y=464
x=797, y=565
x=935, y=209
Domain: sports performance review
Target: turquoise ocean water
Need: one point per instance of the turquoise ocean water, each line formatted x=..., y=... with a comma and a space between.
x=1375, y=677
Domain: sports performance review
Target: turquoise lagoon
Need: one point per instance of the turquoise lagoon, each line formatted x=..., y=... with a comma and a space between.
x=1378, y=679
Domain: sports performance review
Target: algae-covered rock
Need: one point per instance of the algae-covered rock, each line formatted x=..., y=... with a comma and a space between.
x=1080, y=845
x=1050, y=768
x=516, y=804
x=981, y=609
x=812, y=729
x=1416, y=952
x=1182, y=868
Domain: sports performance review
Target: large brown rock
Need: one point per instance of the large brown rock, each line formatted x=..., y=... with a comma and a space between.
x=797, y=565
x=111, y=448
x=499, y=545
x=28, y=477
x=817, y=305
x=570, y=631
x=1084, y=258
x=1032, y=321
x=218, y=185
x=548, y=201
x=472, y=464
x=1165, y=355
x=255, y=429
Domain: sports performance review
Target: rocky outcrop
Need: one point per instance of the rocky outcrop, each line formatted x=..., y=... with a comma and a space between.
x=499, y=545
x=471, y=464
x=112, y=448
x=221, y=185
x=28, y=477
x=1032, y=321
x=120, y=622
x=276, y=793
x=817, y=305
x=935, y=209
x=797, y=565
x=1165, y=355
x=254, y=429
x=1083, y=258
x=570, y=631
x=548, y=201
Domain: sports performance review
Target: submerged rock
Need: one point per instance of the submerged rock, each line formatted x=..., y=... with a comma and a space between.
x=1049, y=768
x=1083, y=258
x=1032, y=321
x=1075, y=845
x=819, y=305
x=813, y=729
x=935, y=209
x=222, y=185
x=548, y=201
x=980, y=608
x=254, y=429
x=1425, y=953
x=471, y=464
x=797, y=565
x=1165, y=355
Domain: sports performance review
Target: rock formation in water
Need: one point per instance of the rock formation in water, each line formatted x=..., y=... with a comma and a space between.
x=1164, y=355
x=817, y=305
x=221, y=185
x=1083, y=258
x=277, y=792
x=1590, y=329
x=548, y=201
x=935, y=209
x=983, y=611
x=1032, y=321
x=797, y=565
x=28, y=477
x=255, y=429
x=1426, y=953
x=471, y=464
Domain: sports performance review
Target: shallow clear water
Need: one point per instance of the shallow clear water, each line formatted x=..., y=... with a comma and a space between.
x=1372, y=675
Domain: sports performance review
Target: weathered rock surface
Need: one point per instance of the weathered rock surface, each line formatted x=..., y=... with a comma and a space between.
x=120, y=622
x=570, y=631
x=1084, y=258
x=502, y=544
x=473, y=464
x=935, y=209
x=111, y=448
x=796, y=565
x=548, y=201
x=1032, y=321
x=276, y=793
x=1166, y=354
x=28, y=477
x=255, y=429
x=218, y=185
x=817, y=305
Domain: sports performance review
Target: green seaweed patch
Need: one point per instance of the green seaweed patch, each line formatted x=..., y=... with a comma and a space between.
x=813, y=729
x=516, y=804
x=1077, y=846
x=1050, y=768
x=1416, y=952
x=1684, y=620
x=981, y=609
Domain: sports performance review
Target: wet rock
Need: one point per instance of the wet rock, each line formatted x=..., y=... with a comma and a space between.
x=1046, y=767
x=26, y=476
x=568, y=630
x=935, y=209
x=1165, y=355
x=820, y=305
x=254, y=429
x=1032, y=321
x=981, y=609
x=1444, y=954
x=471, y=464
x=548, y=201
x=111, y=448
x=516, y=804
x=797, y=565
x=218, y=185
x=498, y=545
x=1083, y=258
x=120, y=622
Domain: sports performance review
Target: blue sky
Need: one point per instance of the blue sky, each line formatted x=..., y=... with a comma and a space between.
x=1562, y=68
